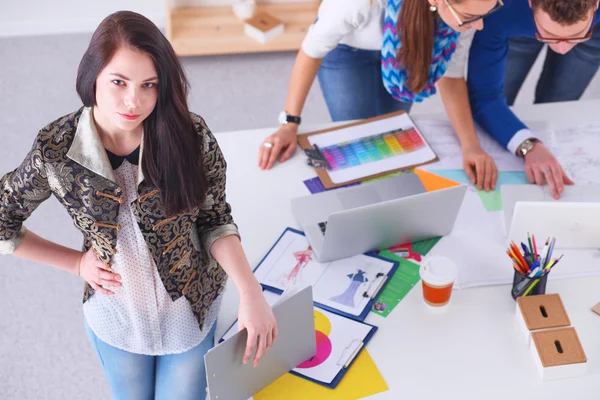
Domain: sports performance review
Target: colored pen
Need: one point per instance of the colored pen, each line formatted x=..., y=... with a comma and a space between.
x=530, y=288
x=534, y=268
x=544, y=253
x=519, y=255
x=525, y=249
x=526, y=254
x=518, y=267
x=516, y=264
x=524, y=258
x=530, y=248
x=535, y=254
x=554, y=262
x=534, y=272
x=550, y=250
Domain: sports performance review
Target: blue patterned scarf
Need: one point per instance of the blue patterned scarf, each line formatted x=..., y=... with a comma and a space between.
x=394, y=77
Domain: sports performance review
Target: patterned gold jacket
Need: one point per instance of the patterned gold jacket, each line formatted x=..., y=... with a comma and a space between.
x=68, y=160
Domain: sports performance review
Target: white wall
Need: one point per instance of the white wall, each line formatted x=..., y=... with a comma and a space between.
x=40, y=17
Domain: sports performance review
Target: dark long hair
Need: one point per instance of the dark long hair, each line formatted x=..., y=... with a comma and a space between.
x=171, y=160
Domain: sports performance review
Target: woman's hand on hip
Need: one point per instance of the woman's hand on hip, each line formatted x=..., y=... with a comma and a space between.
x=97, y=274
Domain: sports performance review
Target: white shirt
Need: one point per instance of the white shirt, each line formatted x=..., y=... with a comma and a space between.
x=140, y=317
x=359, y=24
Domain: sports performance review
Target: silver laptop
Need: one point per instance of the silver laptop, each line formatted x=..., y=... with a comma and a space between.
x=376, y=215
x=229, y=379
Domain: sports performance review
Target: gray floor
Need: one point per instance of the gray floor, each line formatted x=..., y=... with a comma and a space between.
x=44, y=352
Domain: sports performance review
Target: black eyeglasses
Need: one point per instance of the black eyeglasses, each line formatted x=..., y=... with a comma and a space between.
x=460, y=22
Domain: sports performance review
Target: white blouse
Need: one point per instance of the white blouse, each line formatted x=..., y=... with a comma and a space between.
x=359, y=24
x=140, y=317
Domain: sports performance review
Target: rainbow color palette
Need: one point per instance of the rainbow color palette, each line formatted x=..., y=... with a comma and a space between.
x=372, y=148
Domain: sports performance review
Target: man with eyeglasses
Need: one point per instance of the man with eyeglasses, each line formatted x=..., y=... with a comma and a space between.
x=502, y=54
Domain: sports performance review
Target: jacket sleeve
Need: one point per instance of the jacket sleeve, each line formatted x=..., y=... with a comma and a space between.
x=23, y=190
x=215, y=220
x=487, y=64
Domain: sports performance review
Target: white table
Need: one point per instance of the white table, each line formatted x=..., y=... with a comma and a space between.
x=473, y=349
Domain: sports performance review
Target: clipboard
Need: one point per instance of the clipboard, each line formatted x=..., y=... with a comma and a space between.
x=373, y=289
x=318, y=157
x=348, y=359
x=347, y=364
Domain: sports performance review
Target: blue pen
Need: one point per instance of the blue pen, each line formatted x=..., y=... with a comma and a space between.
x=535, y=269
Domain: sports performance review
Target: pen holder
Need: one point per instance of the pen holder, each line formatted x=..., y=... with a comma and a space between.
x=522, y=283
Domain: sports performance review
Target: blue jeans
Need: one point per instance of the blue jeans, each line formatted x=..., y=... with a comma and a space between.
x=351, y=83
x=564, y=77
x=142, y=377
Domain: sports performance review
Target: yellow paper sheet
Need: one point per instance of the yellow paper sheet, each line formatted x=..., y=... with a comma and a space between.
x=362, y=379
x=434, y=182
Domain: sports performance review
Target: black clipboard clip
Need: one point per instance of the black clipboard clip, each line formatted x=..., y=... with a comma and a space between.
x=316, y=159
x=378, y=288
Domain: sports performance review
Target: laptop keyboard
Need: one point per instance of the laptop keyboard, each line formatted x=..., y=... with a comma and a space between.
x=323, y=226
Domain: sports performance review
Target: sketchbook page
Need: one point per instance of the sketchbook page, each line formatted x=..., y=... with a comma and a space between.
x=290, y=263
x=348, y=284
x=360, y=151
x=337, y=339
x=339, y=284
x=445, y=143
x=576, y=149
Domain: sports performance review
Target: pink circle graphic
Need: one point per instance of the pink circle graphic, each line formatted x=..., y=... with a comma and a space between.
x=323, y=351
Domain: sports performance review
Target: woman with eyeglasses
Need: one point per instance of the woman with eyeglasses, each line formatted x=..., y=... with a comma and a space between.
x=373, y=57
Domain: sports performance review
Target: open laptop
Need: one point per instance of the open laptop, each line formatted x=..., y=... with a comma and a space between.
x=376, y=215
x=574, y=220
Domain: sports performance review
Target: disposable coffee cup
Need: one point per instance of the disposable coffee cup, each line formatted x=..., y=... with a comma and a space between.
x=437, y=276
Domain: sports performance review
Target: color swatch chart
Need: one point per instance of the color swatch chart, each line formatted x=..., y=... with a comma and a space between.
x=372, y=148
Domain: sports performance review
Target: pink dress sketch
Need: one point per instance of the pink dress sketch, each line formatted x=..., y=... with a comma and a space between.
x=347, y=298
x=303, y=257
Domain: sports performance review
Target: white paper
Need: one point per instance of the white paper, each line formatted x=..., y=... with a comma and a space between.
x=398, y=161
x=337, y=338
x=338, y=284
x=445, y=143
x=576, y=149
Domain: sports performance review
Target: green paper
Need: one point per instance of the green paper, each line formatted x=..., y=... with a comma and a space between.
x=403, y=280
x=423, y=247
x=492, y=200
